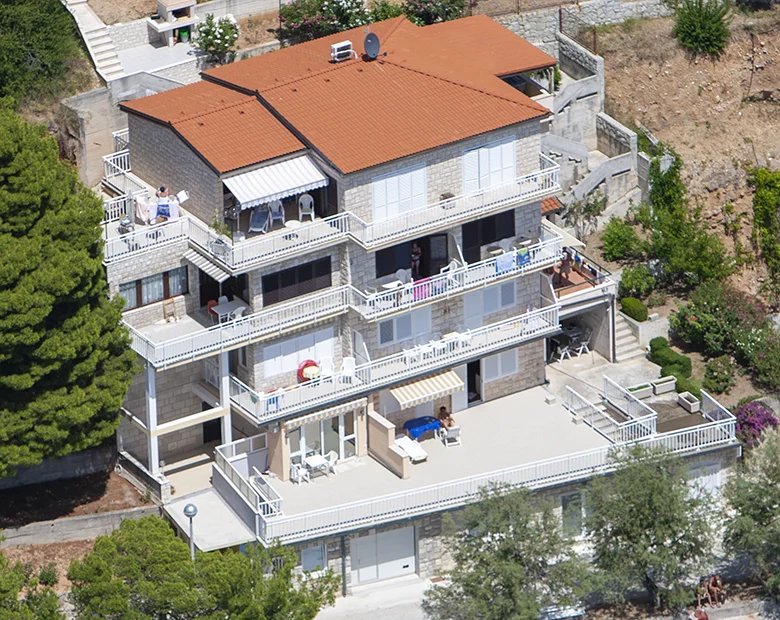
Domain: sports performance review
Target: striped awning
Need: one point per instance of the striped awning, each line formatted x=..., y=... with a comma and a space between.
x=291, y=425
x=427, y=389
x=206, y=265
x=277, y=181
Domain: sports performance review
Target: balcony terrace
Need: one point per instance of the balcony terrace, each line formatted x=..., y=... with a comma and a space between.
x=519, y=440
x=192, y=338
x=233, y=255
x=446, y=351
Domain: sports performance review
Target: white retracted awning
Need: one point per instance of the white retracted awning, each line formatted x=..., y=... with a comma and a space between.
x=277, y=181
x=330, y=412
x=569, y=240
x=200, y=261
x=427, y=389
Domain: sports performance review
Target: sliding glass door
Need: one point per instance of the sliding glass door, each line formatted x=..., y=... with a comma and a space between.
x=336, y=434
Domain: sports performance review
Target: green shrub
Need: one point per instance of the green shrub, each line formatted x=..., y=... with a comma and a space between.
x=655, y=299
x=217, y=37
x=671, y=362
x=702, y=26
x=719, y=375
x=688, y=385
x=304, y=20
x=659, y=342
x=382, y=9
x=48, y=575
x=636, y=281
x=620, y=240
x=426, y=12
x=634, y=308
x=557, y=78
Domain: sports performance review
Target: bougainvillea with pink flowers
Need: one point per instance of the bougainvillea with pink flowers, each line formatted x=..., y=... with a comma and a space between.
x=753, y=419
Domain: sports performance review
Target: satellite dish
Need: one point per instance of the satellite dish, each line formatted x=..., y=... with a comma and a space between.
x=371, y=45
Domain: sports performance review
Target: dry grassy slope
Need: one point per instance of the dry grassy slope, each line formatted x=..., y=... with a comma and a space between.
x=698, y=106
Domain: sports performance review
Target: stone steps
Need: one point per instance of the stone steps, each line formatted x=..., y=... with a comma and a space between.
x=627, y=347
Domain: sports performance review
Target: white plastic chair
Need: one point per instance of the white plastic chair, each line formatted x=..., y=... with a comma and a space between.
x=332, y=457
x=277, y=211
x=584, y=344
x=222, y=299
x=450, y=436
x=348, y=366
x=299, y=473
x=401, y=275
x=238, y=312
x=505, y=244
x=305, y=207
x=326, y=367
x=564, y=353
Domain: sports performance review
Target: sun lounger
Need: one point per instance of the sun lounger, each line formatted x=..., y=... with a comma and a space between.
x=412, y=448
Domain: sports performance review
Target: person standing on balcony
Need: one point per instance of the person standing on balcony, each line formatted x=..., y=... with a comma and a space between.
x=416, y=256
x=565, y=267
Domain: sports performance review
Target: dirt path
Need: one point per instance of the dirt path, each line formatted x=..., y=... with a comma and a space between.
x=122, y=11
x=701, y=108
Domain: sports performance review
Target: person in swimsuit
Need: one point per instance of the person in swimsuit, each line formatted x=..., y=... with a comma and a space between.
x=416, y=256
x=703, y=593
x=445, y=417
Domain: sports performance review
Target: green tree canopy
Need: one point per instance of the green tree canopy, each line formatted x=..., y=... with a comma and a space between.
x=38, y=38
x=65, y=363
x=753, y=530
x=512, y=559
x=647, y=527
x=21, y=596
x=142, y=571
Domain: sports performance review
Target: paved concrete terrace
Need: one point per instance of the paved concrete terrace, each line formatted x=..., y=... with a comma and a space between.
x=216, y=526
x=507, y=432
x=187, y=324
x=152, y=58
x=191, y=471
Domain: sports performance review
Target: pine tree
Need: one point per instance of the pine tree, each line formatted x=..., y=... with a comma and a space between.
x=65, y=361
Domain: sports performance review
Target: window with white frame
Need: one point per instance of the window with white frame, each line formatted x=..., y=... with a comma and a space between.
x=399, y=192
x=489, y=165
x=572, y=513
x=414, y=324
x=313, y=558
x=478, y=304
x=286, y=355
x=500, y=365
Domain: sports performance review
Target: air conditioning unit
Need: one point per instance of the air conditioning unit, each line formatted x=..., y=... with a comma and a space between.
x=341, y=51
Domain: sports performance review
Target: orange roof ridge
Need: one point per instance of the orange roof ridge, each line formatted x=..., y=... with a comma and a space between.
x=535, y=106
x=185, y=119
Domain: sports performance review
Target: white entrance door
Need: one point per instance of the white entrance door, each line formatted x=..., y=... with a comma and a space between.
x=460, y=400
x=383, y=556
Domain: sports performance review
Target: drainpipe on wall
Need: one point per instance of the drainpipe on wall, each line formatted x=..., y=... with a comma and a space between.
x=343, y=566
x=612, y=326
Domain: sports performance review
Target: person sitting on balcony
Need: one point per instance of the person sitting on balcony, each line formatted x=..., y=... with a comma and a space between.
x=445, y=417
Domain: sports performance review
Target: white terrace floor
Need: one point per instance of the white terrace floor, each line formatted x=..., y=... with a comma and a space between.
x=502, y=433
x=187, y=324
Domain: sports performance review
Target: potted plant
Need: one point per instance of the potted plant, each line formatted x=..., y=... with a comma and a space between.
x=689, y=402
x=643, y=390
x=664, y=385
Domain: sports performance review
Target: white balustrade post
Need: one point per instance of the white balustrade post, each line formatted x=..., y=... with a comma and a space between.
x=151, y=420
x=224, y=396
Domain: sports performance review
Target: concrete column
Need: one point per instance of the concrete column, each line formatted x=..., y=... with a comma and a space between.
x=361, y=429
x=224, y=396
x=151, y=420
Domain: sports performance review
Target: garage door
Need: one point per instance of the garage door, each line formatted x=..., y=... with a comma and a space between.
x=383, y=556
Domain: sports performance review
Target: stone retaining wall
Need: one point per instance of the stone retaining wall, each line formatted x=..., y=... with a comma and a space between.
x=71, y=466
x=130, y=34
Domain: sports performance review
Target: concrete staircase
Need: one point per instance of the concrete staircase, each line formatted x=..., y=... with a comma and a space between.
x=103, y=52
x=626, y=345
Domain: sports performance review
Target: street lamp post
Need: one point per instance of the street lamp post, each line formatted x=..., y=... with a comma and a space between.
x=190, y=510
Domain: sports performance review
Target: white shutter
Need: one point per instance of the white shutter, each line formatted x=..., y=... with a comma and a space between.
x=496, y=170
x=507, y=294
x=490, y=368
x=491, y=300
x=508, y=362
x=419, y=190
x=470, y=171
x=421, y=322
x=508, y=163
x=392, y=196
x=403, y=327
x=289, y=355
x=272, y=360
x=404, y=192
x=379, y=187
x=472, y=309
x=484, y=168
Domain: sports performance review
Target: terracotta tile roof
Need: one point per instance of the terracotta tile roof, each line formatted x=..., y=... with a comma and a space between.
x=506, y=52
x=228, y=129
x=551, y=204
x=354, y=112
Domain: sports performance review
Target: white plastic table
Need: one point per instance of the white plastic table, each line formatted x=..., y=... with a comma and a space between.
x=225, y=310
x=317, y=461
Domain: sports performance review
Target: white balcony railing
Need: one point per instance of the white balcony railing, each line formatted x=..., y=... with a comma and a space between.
x=439, y=354
x=145, y=239
x=121, y=139
x=334, y=301
x=334, y=229
x=434, y=498
x=256, y=491
x=601, y=422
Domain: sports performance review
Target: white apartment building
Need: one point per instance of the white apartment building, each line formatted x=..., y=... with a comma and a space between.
x=360, y=241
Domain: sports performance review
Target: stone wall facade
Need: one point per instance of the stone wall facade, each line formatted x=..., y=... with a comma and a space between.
x=614, y=138
x=131, y=34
